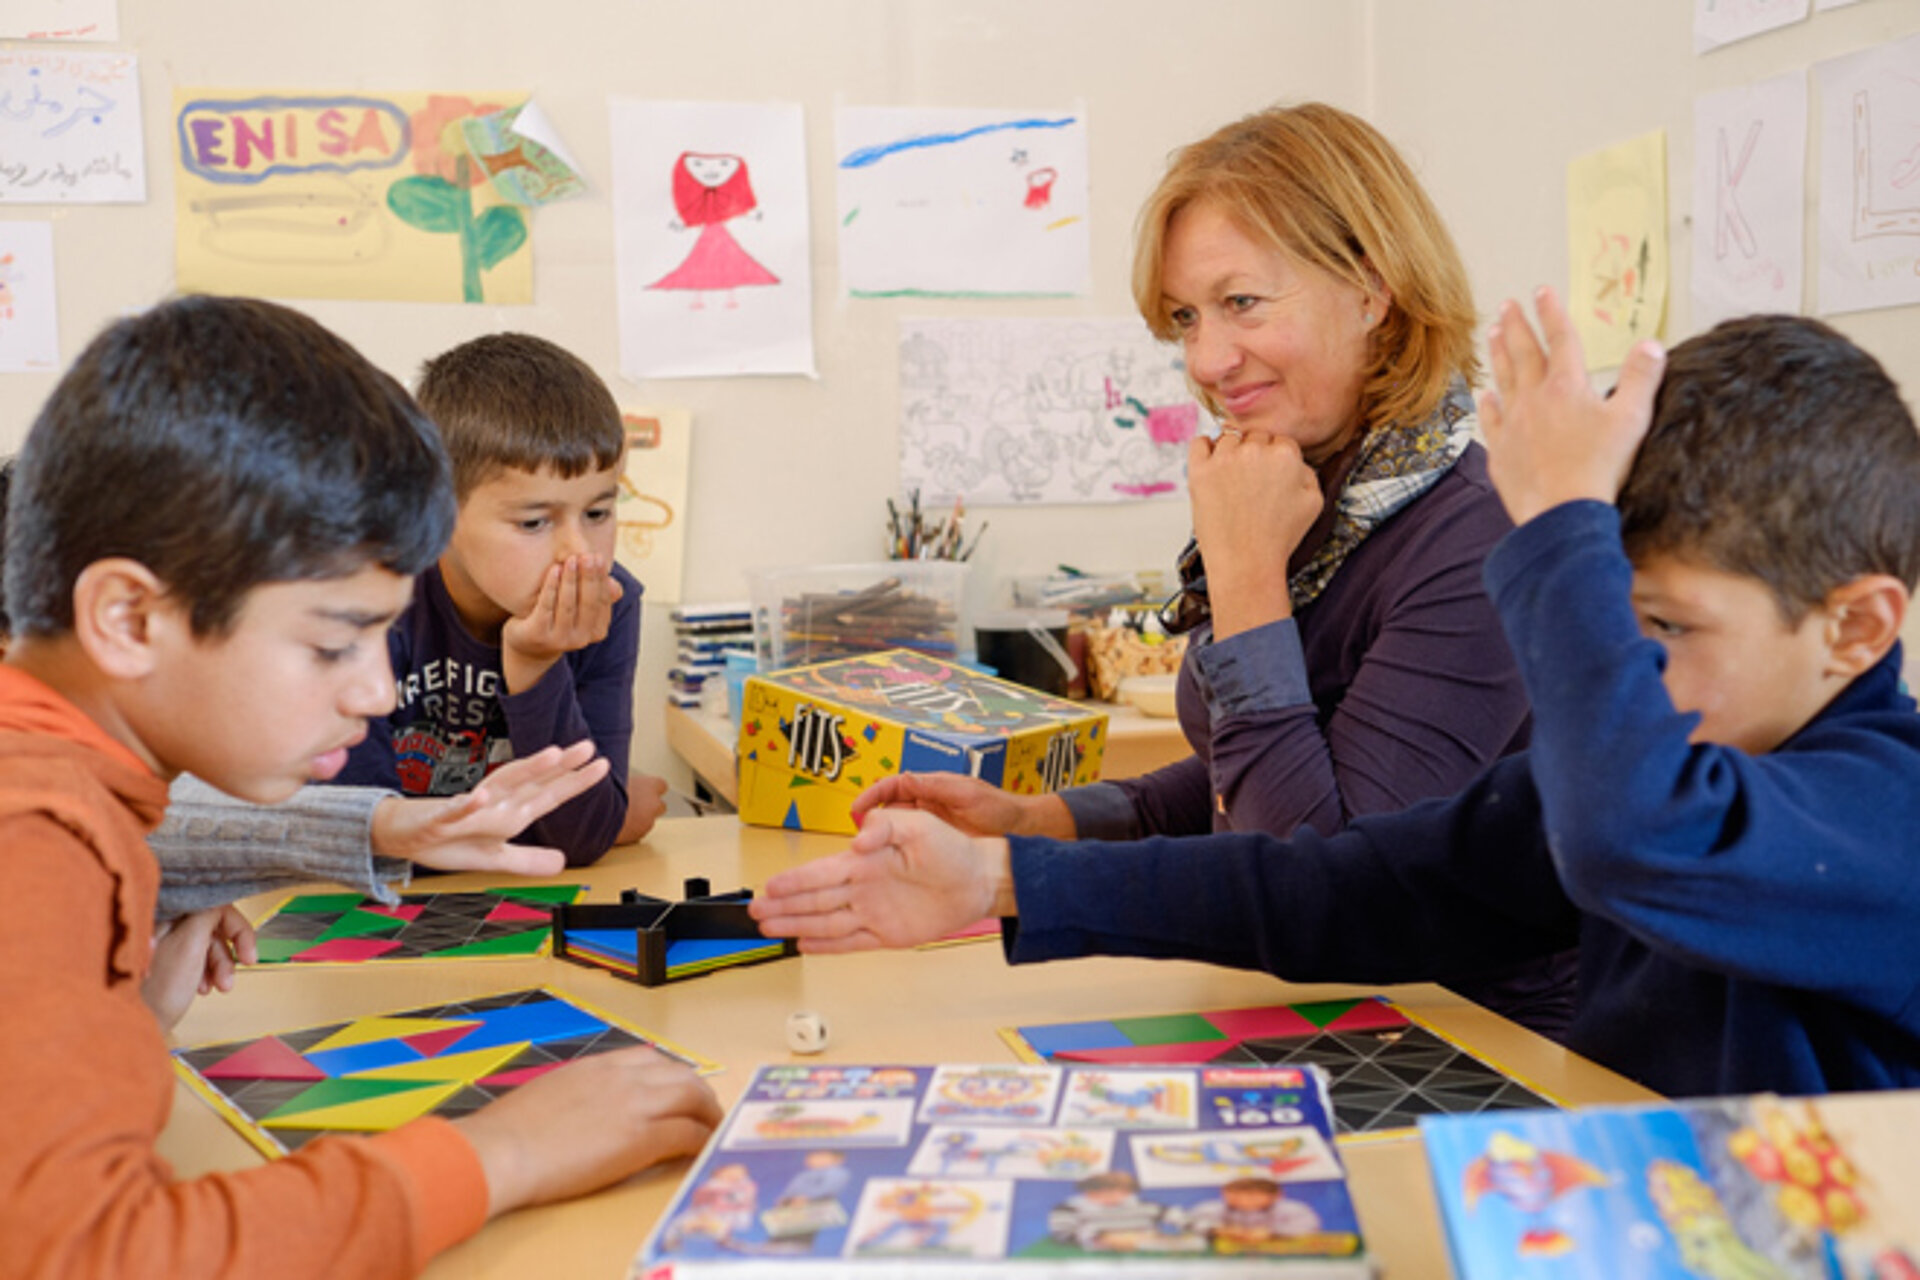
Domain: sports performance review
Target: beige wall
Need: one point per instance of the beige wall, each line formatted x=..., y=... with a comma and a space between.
x=1489, y=97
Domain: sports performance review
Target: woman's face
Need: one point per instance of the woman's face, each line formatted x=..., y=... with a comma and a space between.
x=1279, y=346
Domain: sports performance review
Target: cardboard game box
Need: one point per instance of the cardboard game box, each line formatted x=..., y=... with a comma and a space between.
x=813, y=738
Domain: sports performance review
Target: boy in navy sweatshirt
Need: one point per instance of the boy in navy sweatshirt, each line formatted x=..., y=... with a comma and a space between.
x=1720, y=805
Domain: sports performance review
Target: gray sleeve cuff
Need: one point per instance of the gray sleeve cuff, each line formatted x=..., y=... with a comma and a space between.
x=1256, y=671
x=213, y=849
x=1102, y=811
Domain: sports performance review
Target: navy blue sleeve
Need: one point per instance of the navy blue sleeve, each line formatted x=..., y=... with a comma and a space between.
x=1793, y=868
x=1449, y=887
x=586, y=694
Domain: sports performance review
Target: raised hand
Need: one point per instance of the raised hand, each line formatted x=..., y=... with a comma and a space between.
x=1551, y=438
x=471, y=832
x=1254, y=498
x=908, y=878
x=573, y=610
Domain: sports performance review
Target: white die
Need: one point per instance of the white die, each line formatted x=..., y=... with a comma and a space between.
x=806, y=1032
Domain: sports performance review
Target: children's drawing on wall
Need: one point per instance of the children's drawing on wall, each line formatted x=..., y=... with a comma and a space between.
x=949, y=203
x=711, y=239
x=653, y=500
x=710, y=191
x=70, y=128
x=60, y=20
x=1003, y=412
x=1617, y=246
x=522, y=155
x=1749, y=183
x=1719, y=22
x=1870, y=178
x=29, y=331
x=343, y=196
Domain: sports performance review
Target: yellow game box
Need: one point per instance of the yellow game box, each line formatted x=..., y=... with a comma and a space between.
x=812, y=738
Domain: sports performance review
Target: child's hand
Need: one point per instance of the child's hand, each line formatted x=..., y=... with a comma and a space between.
x=193, y=955
x=1551, y=438
x=646, y=801
x=573, y=610
x=470, y=832
x=1254, y=498
x=908, y=878
x=588, y=1125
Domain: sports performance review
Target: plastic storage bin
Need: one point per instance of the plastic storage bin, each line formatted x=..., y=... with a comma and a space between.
x=823, y=613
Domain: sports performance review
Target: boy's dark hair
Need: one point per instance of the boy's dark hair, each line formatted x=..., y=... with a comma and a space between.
x=514, y=400
x=224, y=443
x=1782, y=452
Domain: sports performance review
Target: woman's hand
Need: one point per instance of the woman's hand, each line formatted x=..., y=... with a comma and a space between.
x=1254, y=498
x=975, y=807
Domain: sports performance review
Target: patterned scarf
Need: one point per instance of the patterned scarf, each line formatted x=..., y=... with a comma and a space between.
x=1394, y=465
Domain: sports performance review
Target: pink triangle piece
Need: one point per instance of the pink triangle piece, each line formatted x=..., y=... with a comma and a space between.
x=267, y=1059
x=518, y=913
x=402, y=912
x=431, y=1044
x=346, y=949
x=510, y=1079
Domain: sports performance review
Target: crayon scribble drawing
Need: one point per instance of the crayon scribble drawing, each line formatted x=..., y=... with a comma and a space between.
x=1720, y=22
x=711, y=240
x=29, y=331
x=343, y=196
x=1004, y=412
x=653, y=501
x=70, y=128
x=60, y=20
x=962, y=203
x=1749, y=173
x=1870, y=178
x=710, y=191
x=1617, y=246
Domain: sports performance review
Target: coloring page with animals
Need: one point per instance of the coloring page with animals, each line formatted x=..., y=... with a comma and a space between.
x=1030, y=1170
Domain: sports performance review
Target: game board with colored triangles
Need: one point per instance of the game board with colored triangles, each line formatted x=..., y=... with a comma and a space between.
x=1385, y=1067
x=346, y=928
x=376, y=1073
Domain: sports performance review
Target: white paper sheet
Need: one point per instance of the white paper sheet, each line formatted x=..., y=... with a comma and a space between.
x=1749, y=199
x=60, y=20
x=1870, y=178
x=1005, y=412
x=1719, y=22
x=962, y=203
x=710, y=238
x=29, y=327
x=70, y=128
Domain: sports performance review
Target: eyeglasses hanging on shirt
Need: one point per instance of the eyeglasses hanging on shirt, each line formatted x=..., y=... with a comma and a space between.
x=1188, y=607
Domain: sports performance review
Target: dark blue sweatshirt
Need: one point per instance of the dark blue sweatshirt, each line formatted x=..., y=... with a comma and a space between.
x=1744, y=923
x=455, y=722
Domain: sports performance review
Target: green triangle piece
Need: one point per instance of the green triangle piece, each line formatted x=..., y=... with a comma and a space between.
x=332, y=1093
x=281, y=950
x=795, y=780
x=526, y=943
x=1321, y=1012
x=358, y=924
x=542, y=892
x=1173, y=1028
x=319, y=904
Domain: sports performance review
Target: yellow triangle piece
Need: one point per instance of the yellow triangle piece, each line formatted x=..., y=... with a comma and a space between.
x=367, y=1030
x=371, y=1115
x=465, y=1067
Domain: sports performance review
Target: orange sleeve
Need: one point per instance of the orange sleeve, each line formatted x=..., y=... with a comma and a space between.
x=88, y=1085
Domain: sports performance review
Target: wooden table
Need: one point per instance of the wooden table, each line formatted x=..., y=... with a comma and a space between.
x=1136, y=744
x=939, y=1005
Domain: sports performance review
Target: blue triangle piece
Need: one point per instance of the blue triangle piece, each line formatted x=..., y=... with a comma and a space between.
x=792, y=822
x=535, y=1022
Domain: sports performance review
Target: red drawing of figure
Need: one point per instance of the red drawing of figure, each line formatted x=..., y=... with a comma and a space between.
x=1040, y=188
x=709, y=191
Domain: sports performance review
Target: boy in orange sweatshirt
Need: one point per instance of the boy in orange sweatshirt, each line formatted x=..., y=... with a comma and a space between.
x=213, y=522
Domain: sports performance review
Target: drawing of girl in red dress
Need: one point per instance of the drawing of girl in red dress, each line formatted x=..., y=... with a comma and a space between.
x=708, y=191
